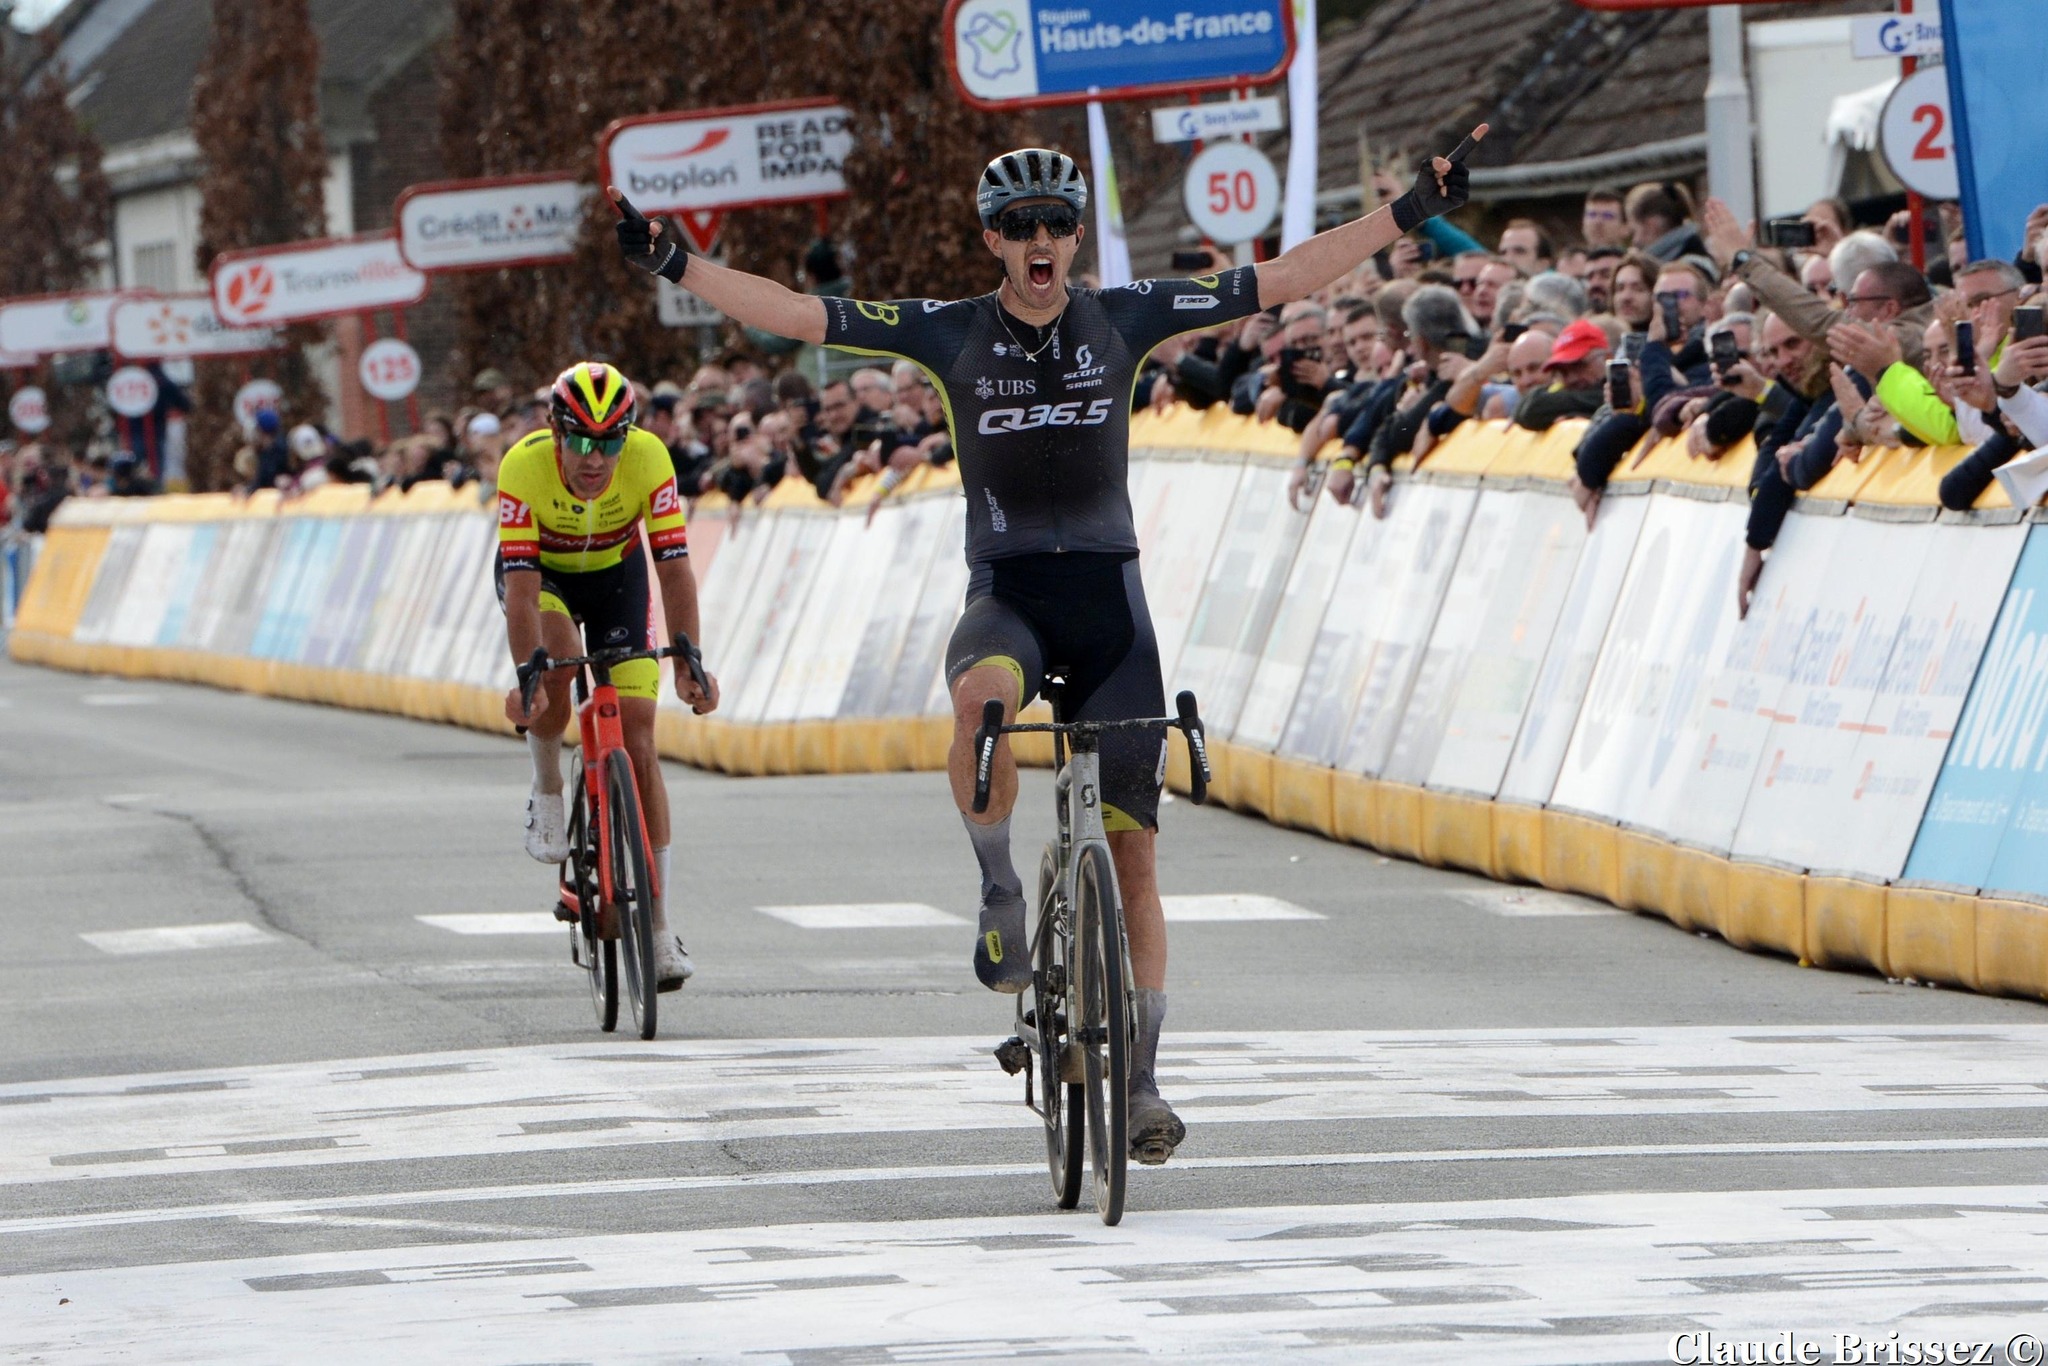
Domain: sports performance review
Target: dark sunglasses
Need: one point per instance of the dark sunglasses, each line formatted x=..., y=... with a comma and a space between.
x=1021, y=225
x=606, y=446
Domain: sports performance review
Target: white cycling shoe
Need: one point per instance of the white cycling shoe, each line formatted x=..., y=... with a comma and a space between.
x=672, y=966
x=547, y=832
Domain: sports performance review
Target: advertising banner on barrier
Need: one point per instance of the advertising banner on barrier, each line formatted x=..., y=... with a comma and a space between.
x=302, y=281
x=813, y=678
x=1989, y=784
x=156, y=570
x=1304, y=599
x=895, y=604
x=775, y=617
x=181, y=326
x=198, y=555
x=57, y=324
x=730, y=158
x=1471, y=695
x=1336, y=664
x=1639, y=723
x=1247, y=575
x=108, y=587
x=1179, y=524
x=485, y=224
x=1803, y=794
x=920, y=668
x=1011, y=54
x=1416, y=563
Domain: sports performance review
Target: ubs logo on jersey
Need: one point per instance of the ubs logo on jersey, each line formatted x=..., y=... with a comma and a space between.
x=1009, y=388
x=1089, y=376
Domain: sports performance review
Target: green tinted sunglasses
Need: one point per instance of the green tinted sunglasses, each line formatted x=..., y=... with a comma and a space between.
x=606, y=446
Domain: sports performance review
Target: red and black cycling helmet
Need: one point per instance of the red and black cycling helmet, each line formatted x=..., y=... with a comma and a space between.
x=594, y=401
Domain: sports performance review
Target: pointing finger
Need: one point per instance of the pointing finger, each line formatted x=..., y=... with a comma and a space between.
x=624, y=206
x=1472, y=139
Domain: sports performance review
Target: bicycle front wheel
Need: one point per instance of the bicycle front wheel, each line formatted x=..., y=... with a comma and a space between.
x=1051, y=950
x=1104, y=1028
x=632, y=888
x=599, y=955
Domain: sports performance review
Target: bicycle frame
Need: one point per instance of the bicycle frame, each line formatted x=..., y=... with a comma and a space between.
x=601, y=731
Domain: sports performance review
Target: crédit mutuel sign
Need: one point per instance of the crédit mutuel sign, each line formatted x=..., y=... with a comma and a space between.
x=730, y=158
x=485, y=224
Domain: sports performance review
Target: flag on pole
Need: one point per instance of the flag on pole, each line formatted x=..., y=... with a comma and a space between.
x=1112, y=252
x=1298, y=216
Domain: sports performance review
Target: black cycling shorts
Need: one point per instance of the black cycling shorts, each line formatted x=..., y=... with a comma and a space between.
x=614, y=608
x=1084, y=612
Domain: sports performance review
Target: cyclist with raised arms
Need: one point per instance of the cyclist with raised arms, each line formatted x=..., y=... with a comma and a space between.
x=1037, y=380
x=571, y=501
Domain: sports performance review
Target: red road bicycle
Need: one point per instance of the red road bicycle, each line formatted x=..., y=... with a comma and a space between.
x=609, y=886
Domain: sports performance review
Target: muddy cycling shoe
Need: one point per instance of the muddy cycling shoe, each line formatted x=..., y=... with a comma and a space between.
x=1002, y=958
x=672, y=966
x=1155, y=1130
x=547, y=833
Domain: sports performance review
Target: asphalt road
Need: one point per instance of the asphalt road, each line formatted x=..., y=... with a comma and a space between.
x=255, y=1107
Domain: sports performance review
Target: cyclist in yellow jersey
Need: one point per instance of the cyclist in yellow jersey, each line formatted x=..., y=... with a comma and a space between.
x=571, y=501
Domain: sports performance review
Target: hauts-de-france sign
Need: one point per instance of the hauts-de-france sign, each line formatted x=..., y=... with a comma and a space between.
x=1008, y=54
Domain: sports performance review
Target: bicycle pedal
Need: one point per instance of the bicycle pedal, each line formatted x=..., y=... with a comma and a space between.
x=1013, y=1055
x=1073, y=1064
x=1151, y=1153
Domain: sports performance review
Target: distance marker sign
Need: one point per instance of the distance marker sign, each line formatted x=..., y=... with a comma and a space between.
x=1012, y=54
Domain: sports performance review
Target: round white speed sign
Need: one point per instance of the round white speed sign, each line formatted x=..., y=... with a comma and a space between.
x=257, y=394
x=1916, y=136
x=29, y=410
x=1232, y=192
x=131, y=391
x=390, y=369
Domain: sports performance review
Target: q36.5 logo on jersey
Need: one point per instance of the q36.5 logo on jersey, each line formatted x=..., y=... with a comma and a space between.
x=888, y=315
x=998, y=420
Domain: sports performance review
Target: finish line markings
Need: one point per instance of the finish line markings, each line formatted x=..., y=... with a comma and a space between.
x=228, y=934
x=906, y=915
x=495, y=922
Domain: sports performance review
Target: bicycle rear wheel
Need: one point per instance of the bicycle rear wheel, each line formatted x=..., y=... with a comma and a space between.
x=1064, y=1106
x=632, y=888
x=598, y=955
x=1104, y=1026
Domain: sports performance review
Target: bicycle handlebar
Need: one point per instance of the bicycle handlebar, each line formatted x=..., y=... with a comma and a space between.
x=1188, y=722
x=539, y=663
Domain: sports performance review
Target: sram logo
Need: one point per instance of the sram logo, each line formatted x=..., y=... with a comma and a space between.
x=997, y=420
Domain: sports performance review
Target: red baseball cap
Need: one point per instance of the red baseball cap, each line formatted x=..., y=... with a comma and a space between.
x=1575, y=343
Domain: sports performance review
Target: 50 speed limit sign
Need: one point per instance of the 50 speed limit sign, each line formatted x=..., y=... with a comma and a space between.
x=1232, y=192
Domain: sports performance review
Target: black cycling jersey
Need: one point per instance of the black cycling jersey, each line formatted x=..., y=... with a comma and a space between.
x=1041, y=423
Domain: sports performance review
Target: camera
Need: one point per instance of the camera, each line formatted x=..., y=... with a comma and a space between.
x=1621, y=393
x=1789, y=232
x=1293, y=388
x=865, y=434
x=2027, y=322
x=1512, y=332
x=1725, y=353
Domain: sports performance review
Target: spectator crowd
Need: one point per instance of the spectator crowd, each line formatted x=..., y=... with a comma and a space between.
x=1658, y=319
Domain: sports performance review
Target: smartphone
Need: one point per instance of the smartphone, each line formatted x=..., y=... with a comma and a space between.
x=1725, y=352
x=2027, y=322
x=1192, y=260
x=1621, y=393
x=1789, y=232
x=1673, y=332
x=1966, y=346
x=1632, y=346
x=1512, y=332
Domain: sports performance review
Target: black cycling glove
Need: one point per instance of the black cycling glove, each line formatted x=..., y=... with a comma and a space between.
x=663, y=255
x=1425, y=201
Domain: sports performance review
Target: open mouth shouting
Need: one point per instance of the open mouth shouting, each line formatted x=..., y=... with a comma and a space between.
x=1040, y=270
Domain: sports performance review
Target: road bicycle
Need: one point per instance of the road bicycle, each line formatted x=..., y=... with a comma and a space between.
x=609, y=887
x=1076, y=1026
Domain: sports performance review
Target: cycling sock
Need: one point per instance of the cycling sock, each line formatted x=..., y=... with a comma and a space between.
x=547, y=761
x=1151, y=1014
x=661, y=902
x=992, y=851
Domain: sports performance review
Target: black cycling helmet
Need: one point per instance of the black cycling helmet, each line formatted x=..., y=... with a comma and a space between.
x=1029, y=173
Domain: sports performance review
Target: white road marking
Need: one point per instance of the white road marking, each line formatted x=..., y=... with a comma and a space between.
x=602, y=1094
x=1234, y=906
x=1518, y=902
x=1573, y=1279
x=226, y=934
x=313, y=1209
x=119, y=699
x=496, y=922
x=863, y=915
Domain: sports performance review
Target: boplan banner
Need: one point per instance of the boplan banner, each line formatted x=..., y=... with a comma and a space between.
x=54, y=324
x=301, y=281
x=485, y=224
x=182, y=326
x=730, y=158
x=1018, y=53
